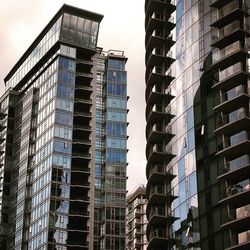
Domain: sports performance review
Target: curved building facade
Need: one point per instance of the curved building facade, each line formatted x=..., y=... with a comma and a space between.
x=197, y=112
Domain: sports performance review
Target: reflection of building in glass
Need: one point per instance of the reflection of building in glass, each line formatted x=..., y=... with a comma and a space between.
x=48, y=138
x=111, y=149
x=136, y=219
x=197, y=123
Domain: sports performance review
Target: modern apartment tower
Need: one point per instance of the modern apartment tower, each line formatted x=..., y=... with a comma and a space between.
x=136, y=219
x=48, y=130
x=197, y=131
x=111, y=150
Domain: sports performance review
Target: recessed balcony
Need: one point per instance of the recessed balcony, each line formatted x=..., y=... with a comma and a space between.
x=229, y=55
x=232, y=32
x=235, y=145
x=218, y=3
x=238, y=101
x=240, y=246
x=231, y=77
x=231, y=126
x=84, y=75
x=229, y=12
x=237, y=197
x=239, y=225
x=237, y=174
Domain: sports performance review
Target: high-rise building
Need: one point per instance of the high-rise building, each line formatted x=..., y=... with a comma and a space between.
x=197, y=131
x=49, y=128
x=111, y=149
x=136, y=220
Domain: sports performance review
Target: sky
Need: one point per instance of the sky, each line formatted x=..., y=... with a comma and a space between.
x=122, y=28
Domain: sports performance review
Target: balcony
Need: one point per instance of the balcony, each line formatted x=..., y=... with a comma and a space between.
x=235, y=145
x=82, y=142
x=234, y=122
x=240, y=246
x=158, y=97
x=157, y=174
x=229, y=55
x=159, y=5
x=157, y=239
x=156, y=135
x=156, y=116
x=217, y=3
x=239, y=225
x=85, y=88
x=158, y=156
x=228, y=34
x=233, y=99
x=157, y=59
x=237, y=196
x=84, y=75
x=156, y=77
x=237, y=174
x=157, y=40
x=227, y=13
x=231, y=77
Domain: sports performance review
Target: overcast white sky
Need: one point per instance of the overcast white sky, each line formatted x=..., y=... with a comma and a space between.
x=122, y=28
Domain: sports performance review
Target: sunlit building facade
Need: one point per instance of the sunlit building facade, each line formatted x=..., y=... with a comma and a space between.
x=197, y=112
x=48, y=137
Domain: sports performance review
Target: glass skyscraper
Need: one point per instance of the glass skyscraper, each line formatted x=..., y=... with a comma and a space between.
x=111, y=150
x=197, y=112
x=49, y=123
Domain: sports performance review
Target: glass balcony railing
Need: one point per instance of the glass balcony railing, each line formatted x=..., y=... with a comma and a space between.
x=218, y=34
x=233, y=117
x=238, y=163
x=234, y=92
x=218, y=54
x=228, y=72
x=240, y=187
x=236, y=139
x=227, y=9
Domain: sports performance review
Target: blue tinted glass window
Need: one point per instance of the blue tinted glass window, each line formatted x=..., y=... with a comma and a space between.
x=65, y=91
x=117, y=76
x=66, y=64
x=115, y=156
x=116, y=129
x=116, y=64
x=61, y=146
x=63, y=118
x=117, y=89
x=66, y=77
x=117, y=116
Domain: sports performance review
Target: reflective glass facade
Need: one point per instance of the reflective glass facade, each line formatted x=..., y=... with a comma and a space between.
x=48, y=139
x=111, y=150
x=196, y=67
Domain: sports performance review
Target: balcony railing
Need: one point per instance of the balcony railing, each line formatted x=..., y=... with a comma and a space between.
x=218, y=34
x=240, y=187
x=229, y=50
x=234, y=92
x=228, y=72
x=227, y=9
